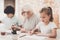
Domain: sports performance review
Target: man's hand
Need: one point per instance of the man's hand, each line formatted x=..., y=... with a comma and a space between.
x=23, y=30
x=30, y=32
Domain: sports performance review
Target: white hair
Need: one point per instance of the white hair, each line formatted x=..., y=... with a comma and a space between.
x=27, y=7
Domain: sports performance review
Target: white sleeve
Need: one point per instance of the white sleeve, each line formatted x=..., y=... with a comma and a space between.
x=37, y=26
x=53, y=26
x=3, y=20
x=2, y=27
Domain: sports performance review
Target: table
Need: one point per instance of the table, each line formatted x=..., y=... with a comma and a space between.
x=28, y=37
x=52, y=39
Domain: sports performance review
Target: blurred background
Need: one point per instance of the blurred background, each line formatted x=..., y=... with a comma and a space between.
x=36, y=6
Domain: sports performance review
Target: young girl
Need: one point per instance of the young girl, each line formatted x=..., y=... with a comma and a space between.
x=47, y=27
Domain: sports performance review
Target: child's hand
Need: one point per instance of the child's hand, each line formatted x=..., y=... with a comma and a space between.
x=40, y=34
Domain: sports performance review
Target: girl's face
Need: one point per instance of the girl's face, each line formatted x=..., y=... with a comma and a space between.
x=44, y=17
x=10, y=15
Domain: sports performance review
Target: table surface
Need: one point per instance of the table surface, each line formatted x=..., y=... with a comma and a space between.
x=24, y=37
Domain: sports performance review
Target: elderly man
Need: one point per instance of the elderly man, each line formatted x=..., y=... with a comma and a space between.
x=31, y=19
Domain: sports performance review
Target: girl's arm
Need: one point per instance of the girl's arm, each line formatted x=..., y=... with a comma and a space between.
x=51, y=35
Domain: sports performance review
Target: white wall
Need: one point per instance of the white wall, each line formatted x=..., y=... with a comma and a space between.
x=37, y=5
x=1, y=9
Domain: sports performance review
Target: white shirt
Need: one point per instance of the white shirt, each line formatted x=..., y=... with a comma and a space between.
x=2, y=27
x=31, y=23
x=46, y=29
x=10, y=21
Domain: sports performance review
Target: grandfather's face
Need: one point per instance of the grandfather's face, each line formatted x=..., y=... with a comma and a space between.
x=26, y=14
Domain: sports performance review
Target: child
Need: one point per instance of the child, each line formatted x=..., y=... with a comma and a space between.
x=10, y=19
x=47, y=26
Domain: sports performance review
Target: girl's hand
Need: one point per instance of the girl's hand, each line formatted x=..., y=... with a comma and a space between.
x=40, y=34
